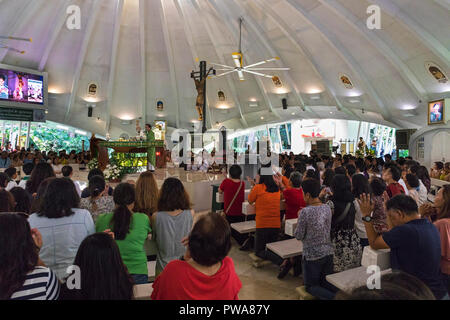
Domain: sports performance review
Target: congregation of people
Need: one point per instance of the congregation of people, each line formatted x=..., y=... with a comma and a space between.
x=342, y=203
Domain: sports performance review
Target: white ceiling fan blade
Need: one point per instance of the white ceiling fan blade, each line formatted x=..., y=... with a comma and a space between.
x=221, y=65
x=225, y=69
x=241, y=75
x=258, y=74
x=225, y=73
x=267, y=69
x=262, y=62
x=16, y=38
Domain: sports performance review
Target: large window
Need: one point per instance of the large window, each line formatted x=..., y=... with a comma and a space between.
x=45, y=136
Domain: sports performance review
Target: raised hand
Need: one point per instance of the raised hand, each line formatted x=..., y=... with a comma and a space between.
x=365, y=204
x=278, y=180
x=185, y=241
x=426, y=210
x=37, y=237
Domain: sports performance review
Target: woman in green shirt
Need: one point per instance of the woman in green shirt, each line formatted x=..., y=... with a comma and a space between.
x=130, y=231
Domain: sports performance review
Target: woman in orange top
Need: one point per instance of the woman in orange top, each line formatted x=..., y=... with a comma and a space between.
x=266, y=197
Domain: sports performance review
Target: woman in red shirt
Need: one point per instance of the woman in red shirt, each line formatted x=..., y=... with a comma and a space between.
x=293, y=196
x=207, y=273
x=295, y=202
x=391, y=176
x=234, y=188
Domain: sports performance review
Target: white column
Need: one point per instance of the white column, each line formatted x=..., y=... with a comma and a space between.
x=20, y=133
x=27, y=142
x=3, y=134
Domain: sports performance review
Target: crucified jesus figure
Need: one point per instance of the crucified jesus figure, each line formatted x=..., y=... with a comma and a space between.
x=199, y=85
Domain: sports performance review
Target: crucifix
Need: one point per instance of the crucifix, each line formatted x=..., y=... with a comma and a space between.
x=200, y=84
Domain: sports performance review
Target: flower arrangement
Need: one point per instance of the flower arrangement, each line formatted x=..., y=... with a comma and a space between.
x=113, y=172
x=93, y=164
x=117, y=166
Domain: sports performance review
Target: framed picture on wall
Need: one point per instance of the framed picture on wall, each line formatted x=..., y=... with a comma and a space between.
x=436, y=112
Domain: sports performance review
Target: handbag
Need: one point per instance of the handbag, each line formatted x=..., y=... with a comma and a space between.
x=344, y=214
x=234, y=198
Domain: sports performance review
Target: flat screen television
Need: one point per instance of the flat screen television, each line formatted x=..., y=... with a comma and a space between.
x=20, y=87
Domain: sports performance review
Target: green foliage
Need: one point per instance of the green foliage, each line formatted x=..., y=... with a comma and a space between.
x=54, y=139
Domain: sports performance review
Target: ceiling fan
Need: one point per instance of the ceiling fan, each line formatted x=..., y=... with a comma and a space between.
x=239, y=67
x=4, y=46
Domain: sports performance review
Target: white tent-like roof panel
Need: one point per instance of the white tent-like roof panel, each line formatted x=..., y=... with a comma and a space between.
x=139, y=52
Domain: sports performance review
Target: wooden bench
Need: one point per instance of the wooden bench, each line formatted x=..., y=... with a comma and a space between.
x=143, y=291
x=354, y=278
x=289, y=226
x=244, y=227
x=381, y=258
x=351, y=279
x=151, y=267
x=286, y=248
x=438, y=182
x=248, y=209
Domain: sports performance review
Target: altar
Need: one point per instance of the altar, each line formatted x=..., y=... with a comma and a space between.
x=137, y=153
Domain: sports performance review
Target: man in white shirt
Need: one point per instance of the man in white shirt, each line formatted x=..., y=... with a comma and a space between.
x=12, y=174
x=403, y=184
x=423, y=192
x=27, y=168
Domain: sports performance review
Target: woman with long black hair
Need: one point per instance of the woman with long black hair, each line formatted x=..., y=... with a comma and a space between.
x=22, y=275
x=130, y=231
x=347, y=249
x=103, y=273
x=40, y=172
x=360, y=185
x=62, y=224
x=98, y=201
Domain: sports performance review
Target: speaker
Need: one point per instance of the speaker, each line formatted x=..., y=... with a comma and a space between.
x=90, y=109
x=284, y=102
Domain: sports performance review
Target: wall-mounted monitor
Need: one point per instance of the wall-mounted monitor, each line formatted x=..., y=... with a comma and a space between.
x=20, y=87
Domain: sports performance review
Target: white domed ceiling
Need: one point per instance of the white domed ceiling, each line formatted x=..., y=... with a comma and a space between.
x=139, y=52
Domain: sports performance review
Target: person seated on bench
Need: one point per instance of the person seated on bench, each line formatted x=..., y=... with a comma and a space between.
x=95, y=172
x=314, y=229
x=233, y=189
x=266, y=197
x=98, y=201
x=23, y=274
x=414, y=242
x=130, y=229
x=103, y=273
x=206, y=272
x=172, y=222
x=27, y=169
x=12, y=175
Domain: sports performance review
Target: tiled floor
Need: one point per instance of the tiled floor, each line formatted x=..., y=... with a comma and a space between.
x=262, y=283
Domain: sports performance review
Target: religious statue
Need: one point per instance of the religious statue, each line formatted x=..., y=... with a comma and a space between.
x=200, y=85
x=361, y=144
